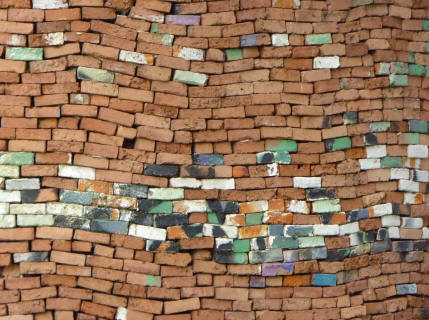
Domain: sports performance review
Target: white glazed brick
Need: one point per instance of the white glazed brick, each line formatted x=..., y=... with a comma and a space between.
x=166, y=193
x=230, y=231
x=191, y=54
x=326, y=62
x=10, y=196
x=34, y=220
x=121, y=314
x=399, y=173
x=376, y=151
x=425, y=233
x=298, y=206
x=391, y=221
x=76, y=172
x=368, y=164
x=50, y=4
x=188, y=206
x=7, y=221
x=307, y=182
x=22, y=184
x=191, y=183
x=273, y=169
x=223, y=184
x=279, y=39
x=67, y=209
x=9, y=171
x=28, y=208
x=412, y=198
x=382, y=209
x=54, y=38
x=134, y=57
x=393, y=232
x=417, y=151
x=223, y=241
x=147, y=232
x=412, y=223
x=4, y=208
x=421, y=175
x=326, y=229
x=349, y=228
x=408, y=186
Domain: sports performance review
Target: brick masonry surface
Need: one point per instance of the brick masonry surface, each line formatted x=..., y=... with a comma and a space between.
x=209, y=160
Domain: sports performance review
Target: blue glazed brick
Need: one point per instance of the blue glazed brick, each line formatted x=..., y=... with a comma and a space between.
x=409, y=288
x=357, y=215
x=325, y=280
x=77, y=196
x=207, y=159
x=249, y=40
x=275, y=230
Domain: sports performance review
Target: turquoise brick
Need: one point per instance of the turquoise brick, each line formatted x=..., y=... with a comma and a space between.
x=17, y=158
x=418, y=126
x=253, y=219
x=425, y=25
x=391, y=162
x=321, y=38
x=325, y=279
x=416, y=70
x=398, y=80
x=379, y=126
x=285, y=145
x=234, y=54
x=282, y=157
x=24, y=54
x=242, y=245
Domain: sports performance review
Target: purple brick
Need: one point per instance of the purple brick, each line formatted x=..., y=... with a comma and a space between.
x=274, y=269
x=183, y=19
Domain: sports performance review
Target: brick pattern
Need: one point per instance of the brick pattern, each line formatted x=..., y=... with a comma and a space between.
x=240, y=159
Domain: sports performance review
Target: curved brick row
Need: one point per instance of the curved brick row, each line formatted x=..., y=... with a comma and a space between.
x=239, y=159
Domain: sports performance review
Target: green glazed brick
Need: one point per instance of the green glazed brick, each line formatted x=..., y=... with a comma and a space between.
x=425, y=25
x=400, y=67
x=163, y=207
x=213, y=218
x=97, y=75
x=416, y=70
x=282, y=157
x=17, y=158
x=391, y=162
x=154, y=28
x=357, y=3
x=398, y=80
x=384, y=68
x=253, y=219
x=311, y=242
x=337, y=144
x=411, y=57
x=234, y=54
x=35, y=220
x=379, y=126
x=167, y=39
x=427, y=72
x=321, y=206
x=24, y=54
x=285, y=242
x=188, y=77
x=411, y=138
x=427, y=46
x=153, y=281
x=242, y=245
x=321, y=38
x=285, y=145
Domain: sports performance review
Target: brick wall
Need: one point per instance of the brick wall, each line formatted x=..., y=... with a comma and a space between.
x=194, y=160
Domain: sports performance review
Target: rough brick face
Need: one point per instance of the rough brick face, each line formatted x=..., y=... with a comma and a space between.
x=240, y=159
